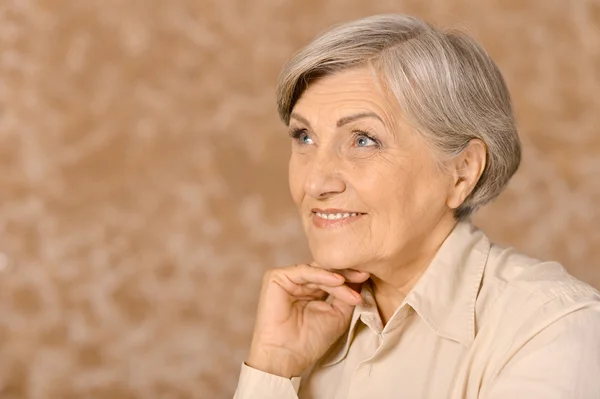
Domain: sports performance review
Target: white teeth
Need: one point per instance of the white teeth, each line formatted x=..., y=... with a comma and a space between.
x=335, y=216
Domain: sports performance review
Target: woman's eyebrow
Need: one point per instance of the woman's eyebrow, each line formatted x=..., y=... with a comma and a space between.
x=342, y=121
x=351, y=118
x=300, y=118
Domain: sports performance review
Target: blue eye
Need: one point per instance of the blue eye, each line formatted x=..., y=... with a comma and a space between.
x=305, y=139
x=364, y=141
x=301, y=136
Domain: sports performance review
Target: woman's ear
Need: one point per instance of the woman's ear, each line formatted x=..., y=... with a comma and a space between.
x=466, y=169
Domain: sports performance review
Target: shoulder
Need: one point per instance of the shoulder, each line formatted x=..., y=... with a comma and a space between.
x=511, y=272
x=537, y=329
x=522, y=291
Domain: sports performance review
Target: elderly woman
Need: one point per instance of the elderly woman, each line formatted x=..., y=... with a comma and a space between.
x=399, y=133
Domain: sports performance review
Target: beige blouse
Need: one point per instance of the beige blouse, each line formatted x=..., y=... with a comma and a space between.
x=482, y=322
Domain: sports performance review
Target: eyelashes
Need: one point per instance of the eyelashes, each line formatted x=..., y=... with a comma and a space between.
x=361, y=134
x=295, y=133
x=300, y=136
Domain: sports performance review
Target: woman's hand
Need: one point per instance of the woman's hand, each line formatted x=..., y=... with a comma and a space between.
x=302, y=311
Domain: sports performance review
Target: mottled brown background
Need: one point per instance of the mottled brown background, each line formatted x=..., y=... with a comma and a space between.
x=143, y=175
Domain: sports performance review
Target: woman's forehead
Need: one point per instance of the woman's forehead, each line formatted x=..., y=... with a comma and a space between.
x=344, y=82
x=346, y=93
x=352, y=90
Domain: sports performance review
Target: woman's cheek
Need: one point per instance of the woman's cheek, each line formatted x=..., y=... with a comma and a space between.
x=301, y=157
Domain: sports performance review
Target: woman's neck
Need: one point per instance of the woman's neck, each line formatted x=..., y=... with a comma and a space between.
x=392, y=284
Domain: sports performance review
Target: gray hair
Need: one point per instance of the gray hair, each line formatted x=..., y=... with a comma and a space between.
x=449, y=88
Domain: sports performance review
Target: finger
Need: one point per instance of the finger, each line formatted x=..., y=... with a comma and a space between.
x=355, y=286
x=304, y=292
x=318, y=297
x=351, y=275
x=354, y=276
x=344, y=293
x=305, y=274
x=349, y=292
x=343, y=308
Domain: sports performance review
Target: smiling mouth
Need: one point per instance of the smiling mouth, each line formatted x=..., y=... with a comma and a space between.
x=334, y=214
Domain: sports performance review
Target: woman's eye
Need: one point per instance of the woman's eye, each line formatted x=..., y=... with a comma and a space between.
x=304, y=138
x=300, y=136
x=364, y=141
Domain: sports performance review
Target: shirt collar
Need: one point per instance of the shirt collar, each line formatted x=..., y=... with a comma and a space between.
x=444, y=297
x=446, y=294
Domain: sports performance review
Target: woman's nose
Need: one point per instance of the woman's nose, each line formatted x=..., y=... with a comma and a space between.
x=324, y=178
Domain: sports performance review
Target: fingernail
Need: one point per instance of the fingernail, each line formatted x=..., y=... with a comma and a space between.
x=339, y=276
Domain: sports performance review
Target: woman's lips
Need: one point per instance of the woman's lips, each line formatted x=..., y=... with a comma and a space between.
x=333, y=217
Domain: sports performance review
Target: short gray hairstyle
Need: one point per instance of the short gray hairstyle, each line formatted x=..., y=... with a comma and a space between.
x=449, y=88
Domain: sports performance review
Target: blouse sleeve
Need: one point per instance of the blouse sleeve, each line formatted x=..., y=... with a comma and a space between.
x=256, y=384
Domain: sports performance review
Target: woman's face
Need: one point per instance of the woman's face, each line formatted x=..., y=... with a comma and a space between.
x=366, y=185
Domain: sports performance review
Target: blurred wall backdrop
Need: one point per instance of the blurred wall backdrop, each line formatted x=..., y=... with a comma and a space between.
x=143, y=175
